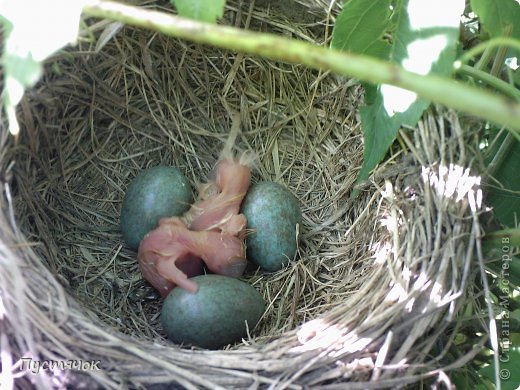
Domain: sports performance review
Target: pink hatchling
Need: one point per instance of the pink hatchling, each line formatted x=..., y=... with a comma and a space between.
x=219, y=204
x=211, y=230
x=171, y=244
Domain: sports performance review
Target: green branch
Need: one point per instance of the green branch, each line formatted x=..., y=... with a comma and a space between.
x=490, y=80
x=442, y=90
x=491, y=44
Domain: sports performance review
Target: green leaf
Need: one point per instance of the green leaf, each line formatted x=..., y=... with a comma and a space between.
x=8, y=26
x=509, y=373
x=424, y=42
x=25, y=70
x=380, y=129
x=360, y=27
x=203, y=10
x=504, y=198
x=498, y=16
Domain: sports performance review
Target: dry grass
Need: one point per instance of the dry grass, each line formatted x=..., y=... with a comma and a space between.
x=376, y=281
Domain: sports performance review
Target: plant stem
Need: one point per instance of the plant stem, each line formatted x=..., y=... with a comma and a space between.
x=501, y=155
x=489, y=45
x=496, y=239
x=438, y=89
x=486, y=58
x=491, y=80
x=498, y=63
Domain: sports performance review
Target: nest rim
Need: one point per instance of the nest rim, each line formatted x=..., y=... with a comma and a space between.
x=311, y=341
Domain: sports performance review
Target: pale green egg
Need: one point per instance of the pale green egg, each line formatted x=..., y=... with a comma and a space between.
x=213, y=317
x=153, y=194
x=273, y=214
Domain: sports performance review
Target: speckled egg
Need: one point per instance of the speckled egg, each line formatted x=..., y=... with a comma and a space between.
x=215, y=315
x=273, y=213
x=153, y=194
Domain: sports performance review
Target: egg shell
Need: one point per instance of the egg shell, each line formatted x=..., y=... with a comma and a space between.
x=215, y=315
x=155, y=193
x=272, y=213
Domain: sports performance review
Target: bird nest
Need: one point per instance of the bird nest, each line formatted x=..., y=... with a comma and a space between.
x=377, y=281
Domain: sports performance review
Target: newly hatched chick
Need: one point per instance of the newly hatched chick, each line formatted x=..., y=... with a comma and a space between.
x=220, y=199
x=163, y=250
x=166, y=276
x=211, y=230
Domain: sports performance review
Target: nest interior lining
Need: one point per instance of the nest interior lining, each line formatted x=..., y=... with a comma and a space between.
x=144, y=99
